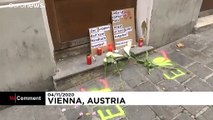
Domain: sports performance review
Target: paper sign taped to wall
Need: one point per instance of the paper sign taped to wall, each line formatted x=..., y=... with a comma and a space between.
x=123, y=22
x=100, y=37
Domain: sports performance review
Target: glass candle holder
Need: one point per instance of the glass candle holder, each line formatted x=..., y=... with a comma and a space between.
x=140, y=42
x=89, y=59
x=110, y=47
x=99, y=51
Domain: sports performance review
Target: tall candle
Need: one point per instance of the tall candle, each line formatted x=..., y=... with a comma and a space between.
x=110, y=47
x=140, y=42
x=99, y=51
x=89, y=59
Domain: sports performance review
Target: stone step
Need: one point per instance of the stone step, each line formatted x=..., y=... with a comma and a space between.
x=206, y=13
x=203, y=24
x=74, y=71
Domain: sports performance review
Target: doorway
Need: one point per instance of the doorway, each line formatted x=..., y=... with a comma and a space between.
x=69, y=20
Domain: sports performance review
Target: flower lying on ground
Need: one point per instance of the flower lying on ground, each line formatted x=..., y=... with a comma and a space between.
x=112, y=57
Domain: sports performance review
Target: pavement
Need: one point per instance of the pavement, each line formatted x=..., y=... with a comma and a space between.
x=195, y=73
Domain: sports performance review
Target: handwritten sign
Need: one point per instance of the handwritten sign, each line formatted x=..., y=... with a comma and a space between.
x=123, y=22
x=100, y=37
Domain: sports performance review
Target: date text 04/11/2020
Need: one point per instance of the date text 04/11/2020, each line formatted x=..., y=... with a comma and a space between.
x=77, y=100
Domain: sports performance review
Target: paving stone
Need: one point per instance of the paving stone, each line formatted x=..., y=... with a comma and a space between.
x=171, y=85
x=208, y=50
x=113, y=81
x=200, y=70
x=31, y=113
x=91, y=85
x=147, y=86
x=74, y=114
x=184, y=116
x=192, y=42
x=117, y=84
x=201, y=39
x=180, y=59
x=113, y=110
x=190, y=52
x=197, y=84
x=139, y=113
x=194, y=109
x=210, y=65
x=201, y=58
x=196, y=55
x=168, y=48
x=133, y=75
x=166, y=112
x=210, y=80
x=155, y=76
x=200, y=117
x=208, y=114
x=181, y=79
x=207, y=33
x=156, y=54
x=185, y=77
x=156, y=119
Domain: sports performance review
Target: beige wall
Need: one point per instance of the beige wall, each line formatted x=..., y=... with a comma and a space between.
x=26, y=51
x=172, y=19
x=144, y=8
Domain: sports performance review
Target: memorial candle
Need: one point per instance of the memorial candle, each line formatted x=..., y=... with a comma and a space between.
x=89, y=59
x=140, y=42
x=99, y=51
x=110, y=47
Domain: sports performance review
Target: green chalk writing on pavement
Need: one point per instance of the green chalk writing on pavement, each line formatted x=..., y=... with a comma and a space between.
x=110, y=115
x=164, y=62
x=175, y=74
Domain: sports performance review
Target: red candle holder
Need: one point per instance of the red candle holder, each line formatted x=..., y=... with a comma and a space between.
x=99, y=51
x=89, y=59
x=140, y=42
x=110, y=47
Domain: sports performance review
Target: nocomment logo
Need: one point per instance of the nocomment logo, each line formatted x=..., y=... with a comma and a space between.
x=37, y=4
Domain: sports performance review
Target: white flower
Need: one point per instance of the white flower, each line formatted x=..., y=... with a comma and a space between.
x=114, y=55
x=109, y=54
x=127, y=50
x=105, y=60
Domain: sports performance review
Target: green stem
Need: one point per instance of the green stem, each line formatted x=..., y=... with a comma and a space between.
x=120, y=76
x=105, y=70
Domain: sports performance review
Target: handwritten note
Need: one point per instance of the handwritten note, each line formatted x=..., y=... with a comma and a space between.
x=100, y=37
x=123, y=27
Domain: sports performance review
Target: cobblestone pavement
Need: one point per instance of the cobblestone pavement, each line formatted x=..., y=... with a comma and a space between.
x=195, y=65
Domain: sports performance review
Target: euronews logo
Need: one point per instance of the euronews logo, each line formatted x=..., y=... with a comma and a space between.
x=37, y=4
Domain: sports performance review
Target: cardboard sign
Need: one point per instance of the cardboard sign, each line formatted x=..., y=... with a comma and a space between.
x=123, y=22
x=100, y=37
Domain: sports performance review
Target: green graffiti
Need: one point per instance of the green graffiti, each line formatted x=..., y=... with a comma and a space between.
x=110, y=115
x=161, y=61
x=175, y=74
x=102, y=90
x=100, y=112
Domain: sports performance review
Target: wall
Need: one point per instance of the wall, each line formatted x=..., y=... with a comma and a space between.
x=172, y=19
x=144, y=8
x=26, y=56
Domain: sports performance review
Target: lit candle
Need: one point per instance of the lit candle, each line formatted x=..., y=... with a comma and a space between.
x=110, y=47
x=140, y=42
x=89, y=59
x=99, y=51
